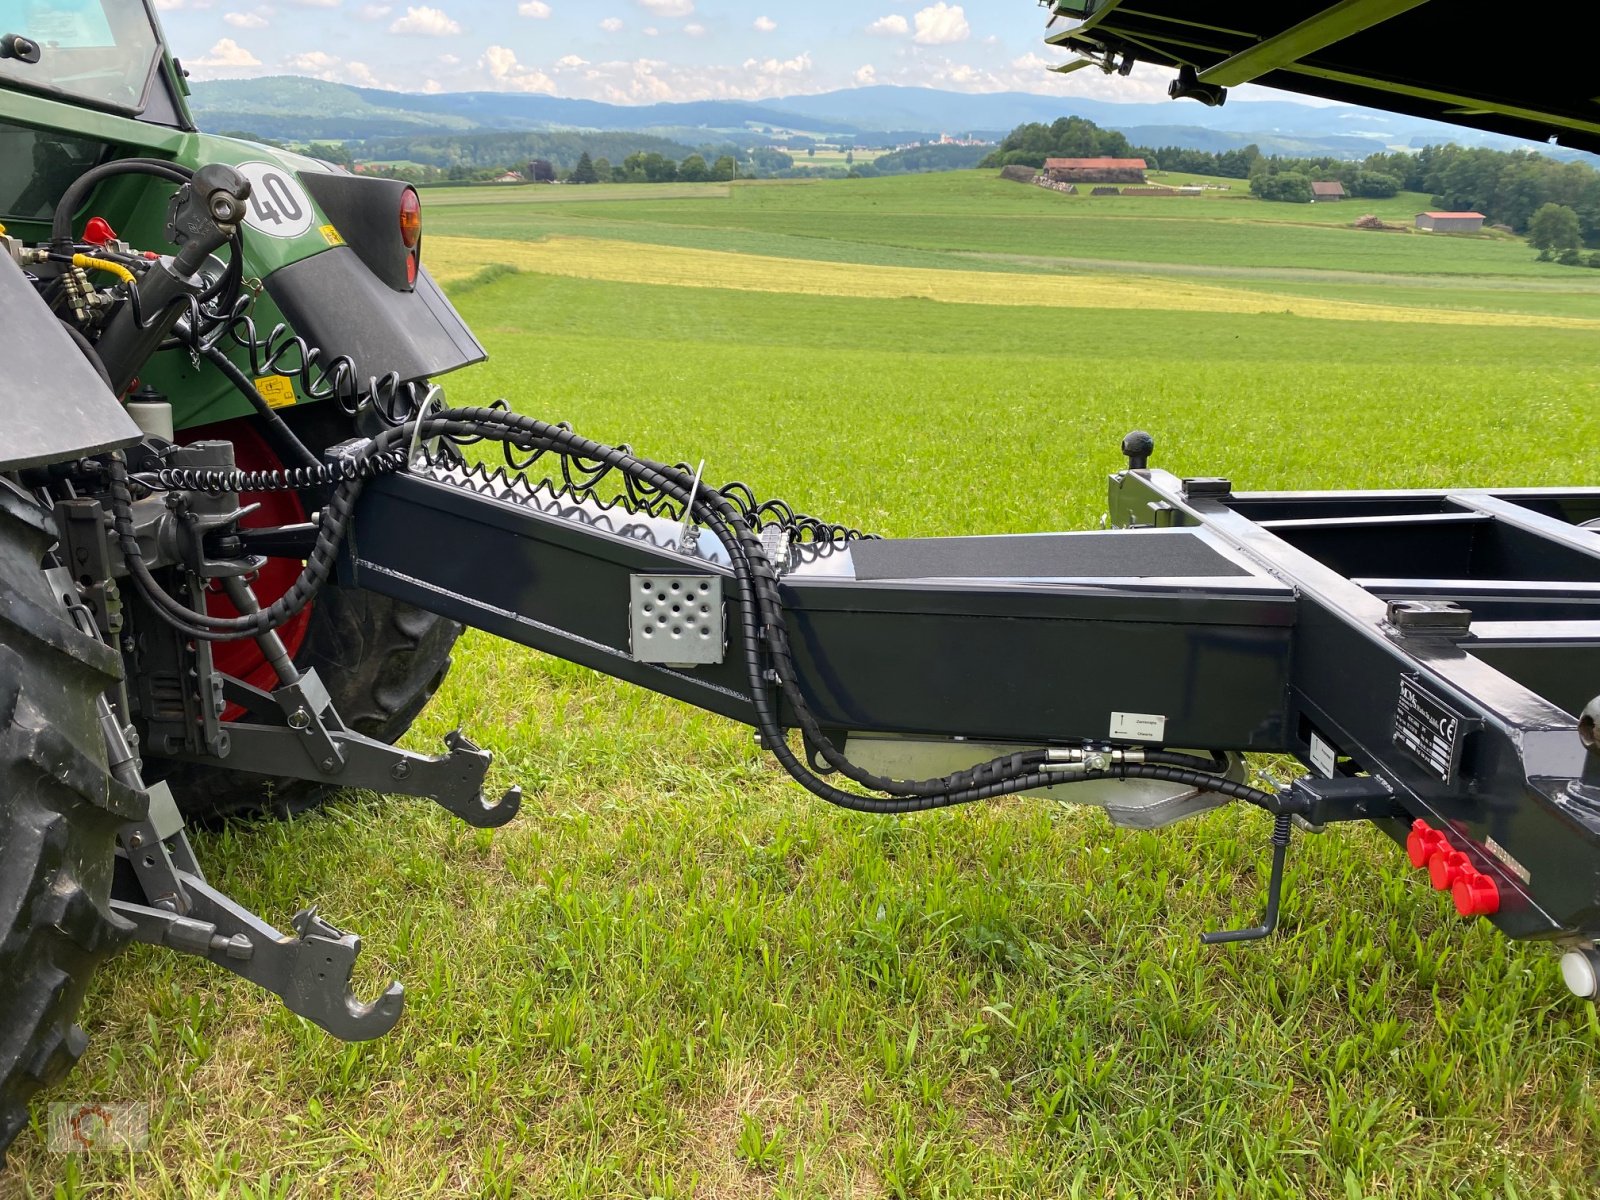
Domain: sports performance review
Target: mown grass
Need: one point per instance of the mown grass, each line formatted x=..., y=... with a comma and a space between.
x=976, y=212
x=676, y=975
x=624, y=262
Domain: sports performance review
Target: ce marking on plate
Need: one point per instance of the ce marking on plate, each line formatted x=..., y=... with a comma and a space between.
x=278, y=205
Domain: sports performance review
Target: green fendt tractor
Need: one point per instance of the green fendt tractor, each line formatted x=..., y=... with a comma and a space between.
x=239, y=534
x=296, y=316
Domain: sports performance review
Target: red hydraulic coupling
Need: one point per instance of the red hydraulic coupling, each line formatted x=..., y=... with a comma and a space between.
x=1445, y=867
x=1475, y=894
x=1422, y=842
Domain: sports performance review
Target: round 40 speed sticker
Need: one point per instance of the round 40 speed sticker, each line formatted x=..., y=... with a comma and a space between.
x=278, y=206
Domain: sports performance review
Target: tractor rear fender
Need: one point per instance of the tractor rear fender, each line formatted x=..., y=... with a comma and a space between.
x=338, y=305
x=54, y=406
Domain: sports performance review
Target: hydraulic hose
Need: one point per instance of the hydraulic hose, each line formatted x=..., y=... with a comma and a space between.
x=90, y=353
x=761, y=616
x=289, y=447
x=74, y=197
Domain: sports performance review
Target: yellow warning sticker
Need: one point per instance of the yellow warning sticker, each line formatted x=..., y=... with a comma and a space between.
x=331, y=236
x=277, y=391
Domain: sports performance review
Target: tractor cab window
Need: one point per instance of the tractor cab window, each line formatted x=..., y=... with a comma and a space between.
x=100, y=51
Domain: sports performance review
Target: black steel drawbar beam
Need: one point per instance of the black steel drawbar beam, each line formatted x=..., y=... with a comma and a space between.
x=1438, y=643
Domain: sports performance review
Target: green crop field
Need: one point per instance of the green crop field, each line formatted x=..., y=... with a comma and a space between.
x=678, y=975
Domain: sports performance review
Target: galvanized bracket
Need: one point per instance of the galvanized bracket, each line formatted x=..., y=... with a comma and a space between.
x=677, y=620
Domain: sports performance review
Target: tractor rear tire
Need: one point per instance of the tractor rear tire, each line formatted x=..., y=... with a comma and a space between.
x=57, y=824
x=381, y=662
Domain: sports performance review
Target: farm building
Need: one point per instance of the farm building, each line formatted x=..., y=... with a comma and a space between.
x=1095, y=170
x=1333, y=190
x=1450, y=222
x=1105, y=191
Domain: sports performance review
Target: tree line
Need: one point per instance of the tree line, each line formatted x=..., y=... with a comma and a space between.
x=627, y=157
x=921, y=159
x=1509, y=187
x=1069, y=137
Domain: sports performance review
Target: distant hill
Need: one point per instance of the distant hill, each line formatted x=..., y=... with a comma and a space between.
x=283, y=106
x=478, y=150
x=287, y=107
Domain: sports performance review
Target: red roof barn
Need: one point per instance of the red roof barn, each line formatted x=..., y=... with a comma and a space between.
x=1095, y=170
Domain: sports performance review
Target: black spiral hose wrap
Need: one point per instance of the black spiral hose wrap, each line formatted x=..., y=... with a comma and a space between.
x=768, y=656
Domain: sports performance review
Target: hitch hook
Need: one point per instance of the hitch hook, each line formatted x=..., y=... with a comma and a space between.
x=309, y=971
x=476, y=810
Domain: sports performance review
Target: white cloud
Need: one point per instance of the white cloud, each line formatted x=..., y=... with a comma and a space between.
x=319, y=64
x=1023, y=74
x=312, y=62
x=942, y=24
x=653, y=80
x=537, y=9
x=315, y=3
x=612, y=24
x=361, y=75
x=569, y=70
x=695, y=29
x=765, y=24
x=668, y=8
x=227, y=54
x=510, y=75
x=249, y=20
x=374, y=12
x=426, y=22
x=651, y=31
x=773, y=69
x=894, y=25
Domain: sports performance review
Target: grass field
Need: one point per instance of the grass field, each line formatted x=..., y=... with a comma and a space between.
x=964, y=214
x=676, y=975
x=837, y=158
x=474, y=197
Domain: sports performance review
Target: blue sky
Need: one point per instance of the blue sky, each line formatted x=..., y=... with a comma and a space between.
x=636, y=51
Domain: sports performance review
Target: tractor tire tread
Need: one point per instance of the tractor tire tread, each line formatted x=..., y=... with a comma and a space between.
x=58, y=829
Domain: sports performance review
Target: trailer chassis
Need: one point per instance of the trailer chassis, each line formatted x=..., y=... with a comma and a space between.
x=1429, y=657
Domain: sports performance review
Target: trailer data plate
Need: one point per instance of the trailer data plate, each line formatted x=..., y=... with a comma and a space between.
x=1429, y=729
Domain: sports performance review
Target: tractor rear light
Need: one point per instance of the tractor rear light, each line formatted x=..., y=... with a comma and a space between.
x=1476, y=894
x=410, y=218
x=412, y=267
